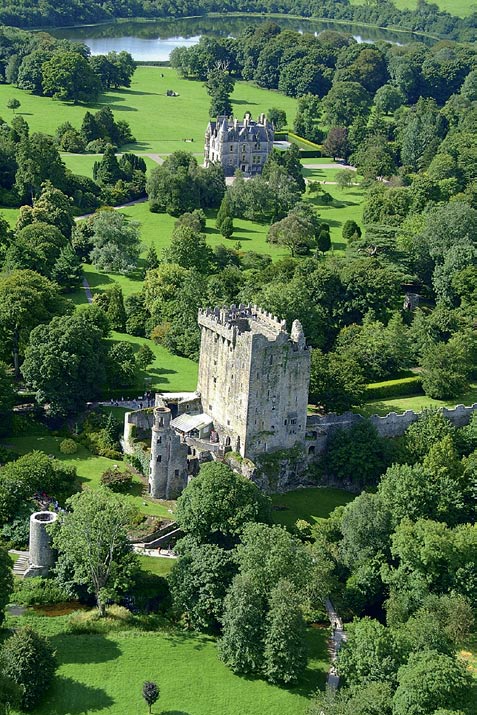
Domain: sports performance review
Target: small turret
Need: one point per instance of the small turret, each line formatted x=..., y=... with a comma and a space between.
x=297, y=335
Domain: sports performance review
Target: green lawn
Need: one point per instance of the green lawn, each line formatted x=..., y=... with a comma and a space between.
x=455, y=7
x=309, y=504
x=347, y=205
x=90, y=468
x=105, y=675
x=83, y=163
x=10, y=215
x=160, y=124
x=156, y=565
x=416, y=403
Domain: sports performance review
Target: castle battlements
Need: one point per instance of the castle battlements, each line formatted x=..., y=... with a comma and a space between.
x=233, y=321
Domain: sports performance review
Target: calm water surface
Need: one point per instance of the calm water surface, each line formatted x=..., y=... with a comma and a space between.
x=154, y=41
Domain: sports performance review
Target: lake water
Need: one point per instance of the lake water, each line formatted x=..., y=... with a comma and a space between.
x=154, y=41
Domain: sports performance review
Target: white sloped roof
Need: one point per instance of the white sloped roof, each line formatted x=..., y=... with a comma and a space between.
x=187, y=423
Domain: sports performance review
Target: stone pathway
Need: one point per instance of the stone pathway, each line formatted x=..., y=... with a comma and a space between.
x=338, y=637
x=22, y=563
x=329, y=166
x=87, y=290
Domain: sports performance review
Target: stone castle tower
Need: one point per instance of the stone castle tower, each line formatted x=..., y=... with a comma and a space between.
x=253, y=379
x=168, y=472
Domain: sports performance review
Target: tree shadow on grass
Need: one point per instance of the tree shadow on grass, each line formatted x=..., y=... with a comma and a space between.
x=161, y=371
x=174, y=712
x=87, y=648
x=73, y=698
x=243, y=101
x=178, y=638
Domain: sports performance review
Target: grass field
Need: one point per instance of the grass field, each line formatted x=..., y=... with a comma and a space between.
x=83, y=163
x=105, y=674
x=160, y=124
x=308, y=504
x=455, y=7
x=90, y=468
x=416, y=403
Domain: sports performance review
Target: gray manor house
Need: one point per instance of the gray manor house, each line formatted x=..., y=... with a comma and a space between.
x=239, y=145
x=249, y=409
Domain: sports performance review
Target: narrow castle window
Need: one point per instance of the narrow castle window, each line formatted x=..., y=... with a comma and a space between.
x=176, y=472
x=159, y=458
x=159, y=440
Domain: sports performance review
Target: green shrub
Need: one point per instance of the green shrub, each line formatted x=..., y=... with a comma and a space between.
x=39, y=592
x=116, y=480
x=68, y=446
x=7, y=455
x=394, y=388
x=117, y=618
x=29, y=661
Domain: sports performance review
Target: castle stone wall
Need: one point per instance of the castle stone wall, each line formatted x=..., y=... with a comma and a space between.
x=168, y=471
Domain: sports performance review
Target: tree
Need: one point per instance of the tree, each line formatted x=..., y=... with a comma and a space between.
x=107, y=171
x=34, y=472
x=336, y=382
x=446, y=367
x=6, y=581
x=241, y=645
x=344, y=454
x=225, y=211
x=217, y=504
x=336, y=143
x=152, y=260
x=26, y=300
x=268, y=554
x=188, y=249
x=38, y=160
x=68, y=76
x=116, y=312
x=293, y=231
x=430, y=681
x=219, y=87
x=28, y=659
x=345, y=178
x=388, y=98
x=199, y=582
x=430, y=427
x=227, y=227
x=370, y=653
x=150, y=693
x=64, y=362
x=323, y=242
x=7, y=399
x=277, y=117
x=92, y=543
x=52, y=207
x=10, y=694
x=13, y=104
x=351, y=230
x=144, y=356
x=115, y=242
x=284, y=650
x=345, y=102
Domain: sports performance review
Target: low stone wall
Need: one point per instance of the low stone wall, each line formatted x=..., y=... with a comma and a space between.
x=320, y=428
x=137, y=425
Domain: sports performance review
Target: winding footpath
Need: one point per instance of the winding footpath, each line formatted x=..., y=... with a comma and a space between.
x=338, y=637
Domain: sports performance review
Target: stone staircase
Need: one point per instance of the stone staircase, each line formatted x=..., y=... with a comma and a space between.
x=21, y=565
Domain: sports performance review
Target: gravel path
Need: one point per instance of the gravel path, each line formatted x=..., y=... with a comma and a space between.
x=338, y=637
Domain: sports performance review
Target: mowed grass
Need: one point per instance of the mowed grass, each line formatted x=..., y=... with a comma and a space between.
x=416, y=403
x=90, y=467
x=454, y=7
x=105, y=675
x=309, y=504
x=82, y=164
x=159, y=123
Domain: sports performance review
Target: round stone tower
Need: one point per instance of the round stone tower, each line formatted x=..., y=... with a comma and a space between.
x=42, y=555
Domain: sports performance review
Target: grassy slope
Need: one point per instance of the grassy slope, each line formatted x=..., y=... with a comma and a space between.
x=159, y=123
x=105, y=675
x=308, y=504
x=455, y=7
x=416, y=403
x=89, y=468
